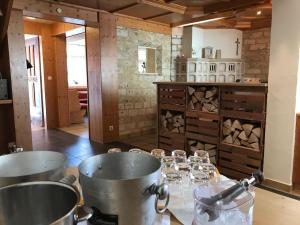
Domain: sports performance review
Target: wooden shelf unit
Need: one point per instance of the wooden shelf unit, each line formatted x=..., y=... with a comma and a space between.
x=244, y=102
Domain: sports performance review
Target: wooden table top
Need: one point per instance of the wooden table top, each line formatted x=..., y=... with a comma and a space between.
x=269, y=209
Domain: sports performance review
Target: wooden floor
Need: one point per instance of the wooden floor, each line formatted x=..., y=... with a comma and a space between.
x=146, y=142
x=75, y=148
x=81, y=129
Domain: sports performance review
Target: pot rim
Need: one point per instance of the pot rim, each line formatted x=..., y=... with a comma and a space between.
x=116, y=180
x=54, y=183
x=63, y=164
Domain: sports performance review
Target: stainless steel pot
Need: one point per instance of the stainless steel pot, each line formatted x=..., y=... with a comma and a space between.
x=40, y=203
x=31, y=166
x=124, y=186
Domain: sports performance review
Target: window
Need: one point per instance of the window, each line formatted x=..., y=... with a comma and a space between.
x=146, y=60
x=76, y=60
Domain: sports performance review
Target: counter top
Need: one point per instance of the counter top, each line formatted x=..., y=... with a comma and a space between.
x=214, y=84
x=270, y=208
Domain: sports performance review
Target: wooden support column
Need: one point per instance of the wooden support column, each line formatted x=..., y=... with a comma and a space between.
x=103, y=80
x=62, y=80
x=19, y=81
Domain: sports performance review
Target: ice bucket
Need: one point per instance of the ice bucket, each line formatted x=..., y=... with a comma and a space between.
x=237, y=212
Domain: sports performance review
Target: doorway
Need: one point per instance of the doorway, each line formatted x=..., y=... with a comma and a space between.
x=57, y=76
x=77, y=83
x=35, y=81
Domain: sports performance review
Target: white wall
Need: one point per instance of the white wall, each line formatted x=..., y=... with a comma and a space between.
x=196, y=38
x=283, y=78
x=224, y=39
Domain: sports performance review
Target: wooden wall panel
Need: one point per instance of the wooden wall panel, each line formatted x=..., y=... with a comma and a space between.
x=94, y=83
x=19, y=81
x=62, y=28
x=103, y=80
x=109, y=72
x=62, y=80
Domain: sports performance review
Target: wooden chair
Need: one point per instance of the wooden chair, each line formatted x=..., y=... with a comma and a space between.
x=76, y=113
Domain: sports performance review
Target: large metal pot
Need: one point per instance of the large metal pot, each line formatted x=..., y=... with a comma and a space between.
x=123, y=187
x=31, y=166
x=40, y=203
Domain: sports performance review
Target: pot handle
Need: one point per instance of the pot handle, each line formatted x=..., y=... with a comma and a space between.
x=162, y=193
x=70, y=180
x=83, y=213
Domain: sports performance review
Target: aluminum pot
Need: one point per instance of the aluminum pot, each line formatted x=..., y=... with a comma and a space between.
x=41, y=203
x=31, y=166
x=124, y=186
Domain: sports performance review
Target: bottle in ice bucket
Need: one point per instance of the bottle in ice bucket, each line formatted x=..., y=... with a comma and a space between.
x=225, y=202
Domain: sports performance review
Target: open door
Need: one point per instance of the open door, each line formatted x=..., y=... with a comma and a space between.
x=35, y=81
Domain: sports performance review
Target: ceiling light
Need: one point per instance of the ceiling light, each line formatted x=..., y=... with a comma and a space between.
x=30, y=18
x=258, y=13
x=202, y=21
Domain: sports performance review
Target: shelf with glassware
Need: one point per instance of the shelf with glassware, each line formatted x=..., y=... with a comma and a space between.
x=212, y=110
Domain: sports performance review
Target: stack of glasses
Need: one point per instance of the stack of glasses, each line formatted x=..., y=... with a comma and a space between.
x=180, y=169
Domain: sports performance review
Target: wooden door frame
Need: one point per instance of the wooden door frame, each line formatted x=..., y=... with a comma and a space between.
x=107, y=87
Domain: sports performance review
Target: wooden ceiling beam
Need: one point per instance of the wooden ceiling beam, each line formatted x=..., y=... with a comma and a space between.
x=228, y=14
x=4, y=20
x=124, y=7
x=232, y=5
x=169, y=1
x=166, y=6
x=162, y=14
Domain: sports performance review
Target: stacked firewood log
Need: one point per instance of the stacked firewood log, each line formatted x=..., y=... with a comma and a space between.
x=210, y=148
x=241, y=134
x=203, y=99
x=172, y=122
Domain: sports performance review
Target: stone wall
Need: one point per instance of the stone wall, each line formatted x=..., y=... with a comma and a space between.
x=137, y=93
x=256, y=52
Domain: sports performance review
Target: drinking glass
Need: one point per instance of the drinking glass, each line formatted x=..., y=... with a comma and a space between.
x=197, y=175
x=169, y=172
x=203, y=155
x=179, y=156
x=194, y=160
x=158, y=153
x=114, y=150
x=137, y=150
x=209, y=169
